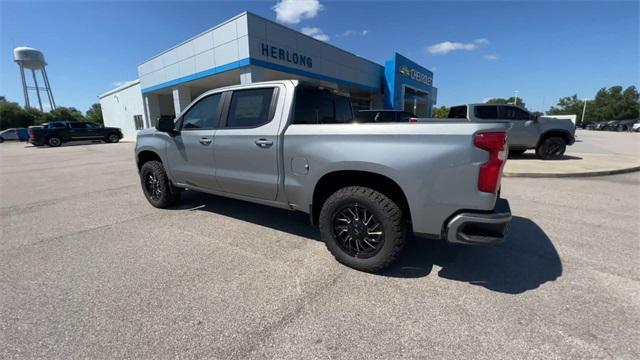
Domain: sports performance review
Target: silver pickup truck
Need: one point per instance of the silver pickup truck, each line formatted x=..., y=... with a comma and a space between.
x=549, y=137
x=294, y=146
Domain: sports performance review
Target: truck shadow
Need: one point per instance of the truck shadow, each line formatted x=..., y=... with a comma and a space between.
x=526, y=260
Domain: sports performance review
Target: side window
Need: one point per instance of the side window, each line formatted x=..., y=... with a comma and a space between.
x=57, y=125
x=513, y=113
x=343, y=109
x=315, y=106
x=458, y=112
x=487, y=112
x=249, y=108
x=203, y=115
x=312, y=107
x=77, y=125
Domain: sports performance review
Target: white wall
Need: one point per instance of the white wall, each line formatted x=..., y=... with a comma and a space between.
x=219, y=46
x=120, y=105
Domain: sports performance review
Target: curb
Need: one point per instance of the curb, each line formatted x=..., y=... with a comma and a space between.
x=574, y=174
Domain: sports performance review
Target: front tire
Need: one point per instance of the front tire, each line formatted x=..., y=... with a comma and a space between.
x=156, y=185
x=362, y=228
x=551, y=148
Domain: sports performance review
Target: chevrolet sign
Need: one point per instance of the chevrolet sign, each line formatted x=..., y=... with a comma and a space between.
x=416, y=75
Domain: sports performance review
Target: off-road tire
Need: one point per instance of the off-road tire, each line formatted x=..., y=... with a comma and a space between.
x=387, y=213
x=54, y=141
x=168, y=196
x=551, y=148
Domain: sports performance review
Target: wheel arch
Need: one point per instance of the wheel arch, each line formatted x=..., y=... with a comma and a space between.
x=145, y=156
x=335, y=180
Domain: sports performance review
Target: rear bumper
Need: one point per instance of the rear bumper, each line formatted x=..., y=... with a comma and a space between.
x=481, y=228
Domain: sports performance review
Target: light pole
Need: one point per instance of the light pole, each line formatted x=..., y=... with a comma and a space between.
x=584, y=111
x=515, y=101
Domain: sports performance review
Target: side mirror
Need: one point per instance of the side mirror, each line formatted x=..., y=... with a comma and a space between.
x=165, y=124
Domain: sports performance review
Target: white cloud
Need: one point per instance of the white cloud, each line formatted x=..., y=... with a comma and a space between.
x=348, y=33
x=120, y=83
x=491, y=57
x=292, y=11
x=315, y=33
x=448, y=46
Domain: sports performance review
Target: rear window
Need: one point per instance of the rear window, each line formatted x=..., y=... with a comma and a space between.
x=488, y=112
x=315, y=106
x=458, y=112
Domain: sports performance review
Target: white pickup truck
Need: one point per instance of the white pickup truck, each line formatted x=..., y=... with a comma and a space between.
x=295, y=146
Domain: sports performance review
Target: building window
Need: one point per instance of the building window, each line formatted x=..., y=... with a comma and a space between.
x=137, y=119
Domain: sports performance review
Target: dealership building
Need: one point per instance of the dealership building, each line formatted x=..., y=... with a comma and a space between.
x=248, y=48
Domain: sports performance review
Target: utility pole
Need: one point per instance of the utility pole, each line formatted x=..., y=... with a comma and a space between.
x=515, y=101
x=584, y=111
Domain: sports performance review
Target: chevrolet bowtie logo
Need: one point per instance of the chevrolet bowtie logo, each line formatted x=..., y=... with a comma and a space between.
x=405, y=70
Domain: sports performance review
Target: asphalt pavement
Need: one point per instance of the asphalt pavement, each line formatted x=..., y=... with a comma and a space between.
x=88, y=269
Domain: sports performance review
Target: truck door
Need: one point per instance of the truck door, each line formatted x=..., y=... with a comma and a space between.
x=523, y=132
x=190, y=151
x=246, y=146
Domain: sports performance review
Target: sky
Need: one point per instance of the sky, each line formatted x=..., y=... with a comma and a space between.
x=477, y=50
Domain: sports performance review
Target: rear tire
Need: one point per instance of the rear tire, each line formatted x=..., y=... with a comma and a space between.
x=551, y=148
x=156, y=185
x=54, y=141
x=374, y=235
x=113, y=138
x=1, y=140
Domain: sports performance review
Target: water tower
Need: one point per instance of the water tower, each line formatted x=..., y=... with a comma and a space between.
x=32, y=59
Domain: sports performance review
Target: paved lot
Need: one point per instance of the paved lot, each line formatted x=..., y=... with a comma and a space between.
x=594, y=153
x=89, y=270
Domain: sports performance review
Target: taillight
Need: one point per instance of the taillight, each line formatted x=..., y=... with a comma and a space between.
x=413, y=120
x=491, y=171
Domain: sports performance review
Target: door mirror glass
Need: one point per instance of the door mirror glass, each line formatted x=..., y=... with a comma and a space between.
x=165, y=124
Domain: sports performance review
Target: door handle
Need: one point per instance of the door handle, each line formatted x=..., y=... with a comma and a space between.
x=205, y=141
x=263, y=143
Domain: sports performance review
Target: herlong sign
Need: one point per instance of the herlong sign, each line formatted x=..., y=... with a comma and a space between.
x=292, y=57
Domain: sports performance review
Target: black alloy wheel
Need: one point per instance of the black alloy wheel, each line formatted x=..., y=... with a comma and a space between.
x=358, y=232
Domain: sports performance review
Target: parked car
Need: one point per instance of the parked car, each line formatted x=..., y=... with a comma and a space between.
x=625, y=125
x=11, y=134
x=549, y=137
x=636, y=127
x=370, y=116
x=610, y=125
x=295, y=146
x=55, y=133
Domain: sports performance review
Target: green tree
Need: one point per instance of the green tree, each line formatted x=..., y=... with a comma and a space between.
x=94, y=114
x=613, y=103
x=502, y=101
x=440, y=112
x=65, y=114
x=13, y=115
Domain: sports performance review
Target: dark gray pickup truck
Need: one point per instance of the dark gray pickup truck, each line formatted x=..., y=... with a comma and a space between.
x=55, y=133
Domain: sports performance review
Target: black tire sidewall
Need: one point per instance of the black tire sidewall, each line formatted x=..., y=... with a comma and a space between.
x=169, y=196
x=117, y=138
x=392, y=239
x=542, y=153
x=54, y=137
